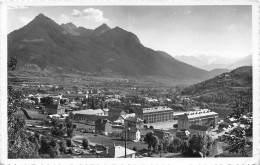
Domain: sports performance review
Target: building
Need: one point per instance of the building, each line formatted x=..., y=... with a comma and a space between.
x=161, y=134
x=121, y=118
x=202, y=117
x=116, y=112
x=98, y=112
x=132, y=126
x=200, y=129
x=55, y=109
x=75, y=96
x=117, y=152
x=157, y=114
x=103, y=126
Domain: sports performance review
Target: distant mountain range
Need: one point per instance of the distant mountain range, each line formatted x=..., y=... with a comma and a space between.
x=47, y=46
x=215, y=62
x=223, y=88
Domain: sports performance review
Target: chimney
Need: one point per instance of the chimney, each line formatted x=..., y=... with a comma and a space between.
x=114, y=144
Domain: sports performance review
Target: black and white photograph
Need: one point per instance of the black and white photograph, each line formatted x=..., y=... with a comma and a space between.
x=130, y=81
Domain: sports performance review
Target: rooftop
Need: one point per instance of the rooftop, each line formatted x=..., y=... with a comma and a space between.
x=157, y=109
x=199, y=127
x=201, y=113
x=88, y=112
x=116, y=152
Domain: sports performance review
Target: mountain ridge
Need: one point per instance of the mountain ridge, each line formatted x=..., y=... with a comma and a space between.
x=103, y=50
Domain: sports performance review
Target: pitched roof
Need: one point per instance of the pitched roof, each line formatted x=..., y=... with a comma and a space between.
x=199, y=127
x=116, y=152
x=156, y=109
x=200, y=113
x=88, y=111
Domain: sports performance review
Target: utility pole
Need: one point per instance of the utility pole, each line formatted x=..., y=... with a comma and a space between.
x=126, y=129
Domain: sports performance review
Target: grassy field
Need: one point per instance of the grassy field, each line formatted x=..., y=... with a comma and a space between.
x=108, y=141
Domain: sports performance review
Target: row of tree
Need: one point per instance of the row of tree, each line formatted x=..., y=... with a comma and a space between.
x=196, y=146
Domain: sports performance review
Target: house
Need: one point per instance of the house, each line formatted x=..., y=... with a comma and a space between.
x=75, y=96
x=98, y=112
x=133, y=125
x=132, y=134
x=113, y=100
x=106, y=110
x=103, y=126
x=121, y=119
x=116, y=112
x=183, y=134
x=200, y=129
x=117, y=152
x=55, y=109
x=161, y=134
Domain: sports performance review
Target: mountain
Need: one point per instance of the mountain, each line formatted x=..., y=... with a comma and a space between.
x=49, y=47
x=223, y=88
x=215, y=72
x=215, y=62
x=245, y=61
x=70, y=28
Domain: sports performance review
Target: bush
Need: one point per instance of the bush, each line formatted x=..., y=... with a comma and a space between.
x=134, y=148
x=70, y=132
x=45, y=146
x=85, y=143
x=69, y=143
x=175, y=144
x=63, y=146
x=115, y=134
x=54, y=152
x=151, y=127
x=53, y=143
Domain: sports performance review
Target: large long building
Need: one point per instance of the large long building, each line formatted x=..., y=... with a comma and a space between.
x=201, y=117
x=157, y=114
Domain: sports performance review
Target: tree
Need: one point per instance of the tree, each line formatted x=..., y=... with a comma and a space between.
x=19, y=146
x=152, y=140
x=242, y=111
x=63, y=146
x=70, y=132
x=45, y=146
x=197, y=145
x=69, y=142
x=175, y=144
x=85, y=143
x=54, y=152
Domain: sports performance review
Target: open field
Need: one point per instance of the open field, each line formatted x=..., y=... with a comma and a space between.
x=109, y=141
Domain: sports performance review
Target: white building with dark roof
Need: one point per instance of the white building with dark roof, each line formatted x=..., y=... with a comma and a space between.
x=202, y=117
x=157, y=114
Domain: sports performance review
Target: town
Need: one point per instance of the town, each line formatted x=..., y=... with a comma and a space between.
x=111, y=123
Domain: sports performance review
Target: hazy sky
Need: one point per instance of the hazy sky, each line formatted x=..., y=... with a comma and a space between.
x=177, y=30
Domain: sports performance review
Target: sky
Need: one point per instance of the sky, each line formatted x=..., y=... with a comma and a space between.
x=224, y=31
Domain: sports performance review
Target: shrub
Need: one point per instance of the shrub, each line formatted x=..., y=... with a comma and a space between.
x=85, y=143
x=54, y=152
x=115, y=134
x=134, y=148
x=70, y=132
x=63, y=146
x=175, y=144
x=151, y=127
x=69, y=143
x=45, y=146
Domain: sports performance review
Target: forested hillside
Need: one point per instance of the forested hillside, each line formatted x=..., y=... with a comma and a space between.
x=223, y=88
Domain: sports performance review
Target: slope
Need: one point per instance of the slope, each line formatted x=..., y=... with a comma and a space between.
x=223, y=88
